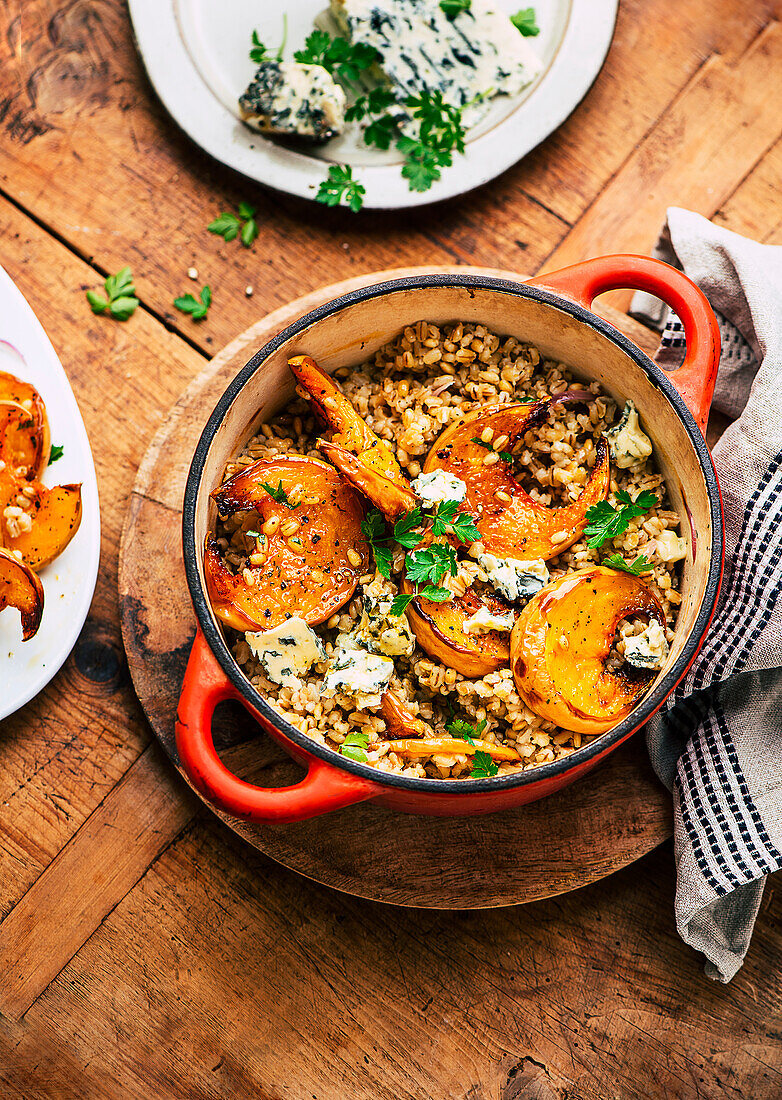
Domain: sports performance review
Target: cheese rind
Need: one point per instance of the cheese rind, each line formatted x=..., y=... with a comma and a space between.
x=287, y=97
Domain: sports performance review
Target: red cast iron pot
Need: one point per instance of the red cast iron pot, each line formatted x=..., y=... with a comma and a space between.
x=552, y=312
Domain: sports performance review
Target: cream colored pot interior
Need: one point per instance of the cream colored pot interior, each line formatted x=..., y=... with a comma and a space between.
x=352, y=335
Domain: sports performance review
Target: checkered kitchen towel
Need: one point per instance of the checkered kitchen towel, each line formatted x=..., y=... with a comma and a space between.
x=718, y=744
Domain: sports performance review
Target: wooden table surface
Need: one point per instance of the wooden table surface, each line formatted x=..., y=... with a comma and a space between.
x=189, y=966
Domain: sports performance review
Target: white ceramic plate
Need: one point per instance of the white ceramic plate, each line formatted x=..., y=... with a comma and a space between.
x=196, y=55
x=69, y=582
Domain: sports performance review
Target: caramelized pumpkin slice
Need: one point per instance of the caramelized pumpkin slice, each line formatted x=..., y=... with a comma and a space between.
x=511, y=523
x=439, y=629
x=22, y=589
x=420, y=740
x=310, y=572
x=562, y=639
x=48, y=521
x=24, y=430
x=392, y=498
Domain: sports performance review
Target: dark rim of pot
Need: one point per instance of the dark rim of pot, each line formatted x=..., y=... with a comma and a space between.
x=648, y=705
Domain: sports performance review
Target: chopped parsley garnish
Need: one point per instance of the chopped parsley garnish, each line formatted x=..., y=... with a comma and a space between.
x=483, y=767
x=229, y=226
x=606, y=521
x=339, y=188
x=260, y=53
x=278, y=494
x=524, y=21
x=120, y=301
x=344, y=60
x=459, y=727
x=189, y=304
x=355, y=747
x=506, y=456
x=452, y=8
x=55, y=453
x=641, y=565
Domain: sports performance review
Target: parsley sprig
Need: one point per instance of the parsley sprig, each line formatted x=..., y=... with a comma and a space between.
x=524, y=21
x=55, y=453
x=278, y=494
x=120, y=301
x=339, y=188
x=228, y=226
x=355, y=747
x=607, y=521
x=198, y=310
x=483, y=767
x=460, y=727
x=344, y=60
x=637, y=568
x=452, y=8
x=260, y=53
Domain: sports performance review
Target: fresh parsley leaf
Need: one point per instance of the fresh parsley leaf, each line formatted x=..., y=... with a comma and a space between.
x=344, y=60
x=506, y=456
x=379, y=99
x=340, y=185
x=383, y=558
x=441, y=126
x=431, y=564
x=435, y=593
x=483, y=767
x=641, y=565
x=422, y=165
x=381, y=131
x=605, y=521
x=189, y=304
x=278, y=494
x=452, y=8
x=459, y=727
x=249, y=232
x=447, y=521
x=227, y=226
x=400, y=603
x=355, y=747
x=404, y=528
x=55, y=453
x=524, y=21
x=120, y=300
x=374, y=526
x=258, y=52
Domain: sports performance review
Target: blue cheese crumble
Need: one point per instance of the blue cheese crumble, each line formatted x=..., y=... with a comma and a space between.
x=627, y=443
x=469, y=59
x=355, y=672
x=670, y=546
x=286, y=97
x=648, y=649
x=485, y=620
x=287, y=652
x=512, y=578
x=439, y=485
x=381, y=632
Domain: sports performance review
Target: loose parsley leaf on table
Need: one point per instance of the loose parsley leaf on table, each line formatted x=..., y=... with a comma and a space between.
x=452, y=8
x=340, y=185
x=120, y=300
x=55, y=453
x=189, y=304
x=355, y=747
x=483, y=767
x=524, y=21
x=344, y=60
x=641, y=565
x=278, y=494
x=229, y=226
x=605, y=521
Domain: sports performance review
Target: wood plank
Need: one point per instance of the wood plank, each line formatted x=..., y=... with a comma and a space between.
x=137, y=820
x=754, y=209
x=696, y=155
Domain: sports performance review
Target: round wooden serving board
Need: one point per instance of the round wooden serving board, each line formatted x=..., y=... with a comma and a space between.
x=606, y=821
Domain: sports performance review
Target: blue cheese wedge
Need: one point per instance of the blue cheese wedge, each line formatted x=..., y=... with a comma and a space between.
x=469, y=59
x=356, y=672
x=670, y=547
x=485, y=620
x=513, y=578
x=648, y=649
x=628, y=444
x=287, y=652
x=381, y=632
x=439, y=485
x=286, y=97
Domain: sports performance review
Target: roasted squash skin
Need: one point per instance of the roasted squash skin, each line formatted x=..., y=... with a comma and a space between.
x=21, y=588
x=520, y=528
x=439, y=629
x=392, y=498
x=419, y=740
x=562, y=639
x=306, y=573
x=55, y=514
x=24, y=429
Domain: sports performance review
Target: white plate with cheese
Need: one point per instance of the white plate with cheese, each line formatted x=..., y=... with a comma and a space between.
x=196, y=54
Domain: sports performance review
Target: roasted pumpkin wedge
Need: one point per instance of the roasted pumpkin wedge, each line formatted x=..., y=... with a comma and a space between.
x=313, y=551
x=511, y=523
x=37, y=521
x=419, y=740
x=22, y=589
x=24, y=429
x=439, y=629
x=562, y=639
x=392, y=498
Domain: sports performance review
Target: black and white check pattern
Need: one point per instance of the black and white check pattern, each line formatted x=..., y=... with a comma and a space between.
x=718, y=743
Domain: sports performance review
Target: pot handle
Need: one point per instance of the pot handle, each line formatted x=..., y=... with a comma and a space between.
x=696, y=376
x=323, y=789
